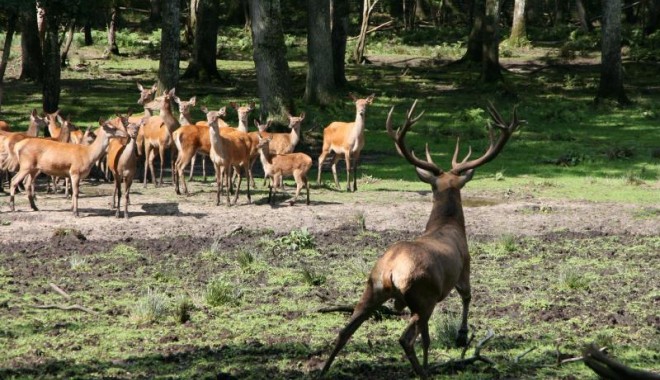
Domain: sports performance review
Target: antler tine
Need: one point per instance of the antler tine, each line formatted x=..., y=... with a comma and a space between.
x=495, y=145
x=399, y=141
x=454, y=161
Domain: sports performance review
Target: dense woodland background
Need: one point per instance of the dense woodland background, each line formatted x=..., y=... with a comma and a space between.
x=483, y=29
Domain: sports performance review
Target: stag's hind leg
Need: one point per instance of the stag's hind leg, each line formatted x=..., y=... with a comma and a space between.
x=464, y=290
x=421, y=311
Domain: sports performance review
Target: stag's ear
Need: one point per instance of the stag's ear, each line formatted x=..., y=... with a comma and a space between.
x=426, y=176
x=465, y=178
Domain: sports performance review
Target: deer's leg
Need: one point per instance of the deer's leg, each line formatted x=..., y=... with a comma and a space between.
x=203, y=168
x=347, y=157
x=304, y=177
x=118, y=182
x=147, y=157
x=75, y=184
x=18, y=178
x=238, y=187
x=407, y=341
x=29, y=188
x=369, y=301
x=192, y=166
x=356, y=161
x=114, y=193
x=334, y=169
x=464, y=290
x=173, y=157
x=299, y=184
x=127, y=187
x=324, y=153
x=249, y=170
x=161, y=155
x=219, y=182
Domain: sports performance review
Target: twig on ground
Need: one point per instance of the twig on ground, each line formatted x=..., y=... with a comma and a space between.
x=66, y=308
x=462, y=363
x=349, y=309
x=517, y=358
x=579, y=358
x=59, y=290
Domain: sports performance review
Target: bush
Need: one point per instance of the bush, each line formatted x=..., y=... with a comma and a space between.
x=222, y=292
x=296, y=240
x=150, y=308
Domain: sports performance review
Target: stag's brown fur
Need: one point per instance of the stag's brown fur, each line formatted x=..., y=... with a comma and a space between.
x=421, y=272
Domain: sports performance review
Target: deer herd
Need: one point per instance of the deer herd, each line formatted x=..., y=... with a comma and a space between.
x=417, y=274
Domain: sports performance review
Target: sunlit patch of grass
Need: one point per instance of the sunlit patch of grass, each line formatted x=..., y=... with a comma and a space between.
x=221, y=291
x=150, y=308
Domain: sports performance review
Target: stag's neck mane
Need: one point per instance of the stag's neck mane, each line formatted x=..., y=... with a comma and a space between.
x=447, y=211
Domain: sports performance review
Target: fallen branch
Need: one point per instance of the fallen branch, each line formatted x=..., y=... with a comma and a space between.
x=59, y=290
x=517, y=358
x=609, y=368
x=349, y=309
x=374, y=29
x=66, y=308
x=462, y=363
x=579, y=358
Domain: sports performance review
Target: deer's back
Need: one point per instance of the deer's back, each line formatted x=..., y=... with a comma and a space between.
x=287, y=164
x=51, y=157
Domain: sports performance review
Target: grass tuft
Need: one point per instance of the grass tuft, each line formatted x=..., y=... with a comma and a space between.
x=151, y=308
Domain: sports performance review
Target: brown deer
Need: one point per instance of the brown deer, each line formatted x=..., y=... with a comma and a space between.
x=185, y=118
x=229, y=149
x=276, y=166
x=420, y=273
x=122, y=162
x=4, y=126
x=189, y=140
x=243, y=115
x=58, y=159
x=157, y=134
x=8, y=161
x=346, y=140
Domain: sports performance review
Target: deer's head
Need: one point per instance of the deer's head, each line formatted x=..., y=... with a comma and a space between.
x=146, y=94
x=361, y=104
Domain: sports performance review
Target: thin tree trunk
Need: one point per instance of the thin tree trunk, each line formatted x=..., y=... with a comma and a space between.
x=358, y=53
x=474, y=52
x=491, y=71
x=204, y=19
x=424, y=10
x=273, y=79
x=320, y=71
x=652, y=16
x=112, y=31
x=168, y=69
x=154, y=11
x=31, y=54
x=89, y=41
x=611, y=72
x=9, y=36
x=51, y=54
x=585, y=25
x=518, y=29
x=340, y=12
x=41, y=24
x=67, y=43
x=629, y=11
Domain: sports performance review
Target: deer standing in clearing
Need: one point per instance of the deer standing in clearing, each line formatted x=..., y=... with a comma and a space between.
x=59, y=159
x=346, y=140
x=185, y=118
x=282, y=143
x=276, y=166
x=8, y=160
x=122, y=162
x=422, y=272
x=158, y=137
x=229, y=149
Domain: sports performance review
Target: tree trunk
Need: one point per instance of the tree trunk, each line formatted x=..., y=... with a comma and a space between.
x=491, y=71
x=340, y=12
x=424, y=10
x=560, y=12
x=67, y=43
x=41, y=24
x=112, y=31
x=31, y=58
x=611, y=72
x=273, y=79
x=585, y=25
x=154, y=11
x=367, y=8
x=518, y=29
x=9, y=36
x=168, y=69
x=474, y=52
x=629, y=11
x=652, y=17
x=204, y=20
x=51, y=54
x=89, y=41
x=320, y=71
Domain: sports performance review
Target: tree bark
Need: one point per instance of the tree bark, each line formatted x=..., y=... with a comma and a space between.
x=204, y=21
x=474, y=52
x=611, y=72
x=340, y=11
x=51, y=54
x=652, y=17
x=273, y=79
x=583, y=17
x=367, y=8
x=518, y=29
x=491, y=71
x=9, y=36
x=89, y=41
x=168, y=69
x=31, y=55
x=112, y=30
x=154, y=11
x=320, y=72
x=424, y=10
x=67, y=43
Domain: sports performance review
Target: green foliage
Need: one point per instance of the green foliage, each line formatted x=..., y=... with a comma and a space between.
x=313, y=277
x=573, y=279
x=296, y=240
x=645, y=48
x=182, y=305
x=78, y=262
x=150, y=308
x=446, y=328
x=220, y=292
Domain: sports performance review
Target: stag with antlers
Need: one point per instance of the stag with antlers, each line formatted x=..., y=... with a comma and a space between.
x=422, y=272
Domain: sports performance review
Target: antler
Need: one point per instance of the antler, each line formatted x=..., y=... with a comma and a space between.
x=506, y=130
x=399, y=137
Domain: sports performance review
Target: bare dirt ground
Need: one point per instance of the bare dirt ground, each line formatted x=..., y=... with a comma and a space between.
x=158, y=212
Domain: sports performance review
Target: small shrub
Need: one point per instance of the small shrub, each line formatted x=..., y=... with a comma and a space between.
x=446, y=327
x=499, y=176
x=77, y=262
x=150, y=308
x=222, y=292
x=312, y=277
x=181, y=308
x=507, y=244
x=361, y=221
x=296, y=240
x=245, y=261
x=573, y=279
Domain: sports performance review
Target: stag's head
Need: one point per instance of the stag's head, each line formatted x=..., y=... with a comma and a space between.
x=461, y=172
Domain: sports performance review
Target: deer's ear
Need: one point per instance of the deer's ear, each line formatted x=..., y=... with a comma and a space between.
x=352, y=97
x=204, y=109
x=154, y=87
x=139, y=86
x=256, y=123
x=193, y=101
x=370, y=99
x=465, y=178
x=302, y=116
x=426, y=176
